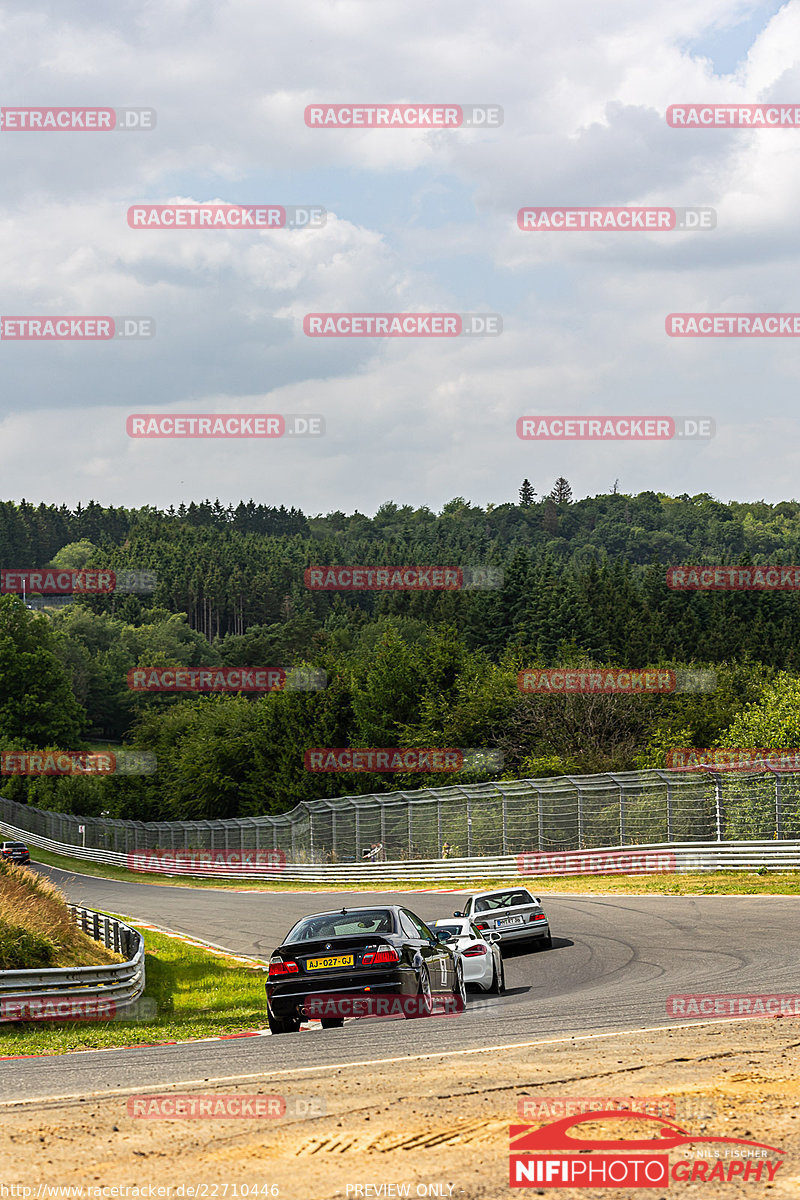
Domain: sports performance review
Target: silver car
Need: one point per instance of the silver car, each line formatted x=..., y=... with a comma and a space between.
x=513, y=913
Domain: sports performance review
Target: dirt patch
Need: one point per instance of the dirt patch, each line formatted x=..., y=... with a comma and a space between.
x=434, y=1124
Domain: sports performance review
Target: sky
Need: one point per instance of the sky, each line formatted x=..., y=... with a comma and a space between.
x=417, y=221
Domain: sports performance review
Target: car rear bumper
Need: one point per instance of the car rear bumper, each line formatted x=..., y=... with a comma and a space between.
x=524, y=933
x=478, y=969
x=288, y=999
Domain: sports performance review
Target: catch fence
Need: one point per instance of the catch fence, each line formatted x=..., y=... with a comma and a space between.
x=506, y=817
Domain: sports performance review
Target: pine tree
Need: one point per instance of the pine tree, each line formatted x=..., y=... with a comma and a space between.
x=526, y=494
x=562, y=492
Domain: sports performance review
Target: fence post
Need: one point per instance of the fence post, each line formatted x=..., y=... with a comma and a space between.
x=383, y=822
x=718, y=804
x=666, y=780
x=621, y=815
x=505, y=838
x=408, y=802
x=540, y=818
x=469, y=829
x=439, y=827
x=311, y=836
x=577, y=787
x=778, y=806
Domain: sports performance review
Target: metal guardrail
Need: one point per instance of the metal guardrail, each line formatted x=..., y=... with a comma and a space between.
x=104, y=989
x=680, y=857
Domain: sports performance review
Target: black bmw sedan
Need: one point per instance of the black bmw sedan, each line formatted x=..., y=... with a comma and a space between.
x=379, y=961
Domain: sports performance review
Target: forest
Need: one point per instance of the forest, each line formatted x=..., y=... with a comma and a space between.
x=575, y=583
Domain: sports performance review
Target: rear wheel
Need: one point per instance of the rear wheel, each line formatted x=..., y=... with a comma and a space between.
x=460, y=988
x=424, y=999
x=276, y=1025
x=332, y=1022
x=546, y=943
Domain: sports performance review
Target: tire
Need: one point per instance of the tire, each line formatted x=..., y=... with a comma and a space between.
x=498, y=980
x=546, y=943
x=423, y=995
x=276, y=1025
x=460, y=988
x=332, y=1022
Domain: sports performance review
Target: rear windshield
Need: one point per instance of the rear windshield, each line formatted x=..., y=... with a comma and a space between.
x=442, y=931
x=14, y=846
x=360, y=922
x=502, y=900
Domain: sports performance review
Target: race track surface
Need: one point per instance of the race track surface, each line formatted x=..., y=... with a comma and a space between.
x=614, y=962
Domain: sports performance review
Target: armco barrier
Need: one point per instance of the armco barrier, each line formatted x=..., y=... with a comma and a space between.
x=109, y=988
x=604, y=860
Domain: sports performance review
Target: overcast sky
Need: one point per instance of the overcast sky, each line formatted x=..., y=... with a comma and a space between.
x=417, y=222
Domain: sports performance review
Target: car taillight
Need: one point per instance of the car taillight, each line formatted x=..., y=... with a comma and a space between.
x=279, y=967
x=474, y=951
x=538, y=917
x=373, y=957
x=481, y=925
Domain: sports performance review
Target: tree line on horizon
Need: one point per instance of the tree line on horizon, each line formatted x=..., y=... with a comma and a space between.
x=584, y=583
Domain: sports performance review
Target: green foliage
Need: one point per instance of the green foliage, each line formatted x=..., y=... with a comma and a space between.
x=584, y=582
x=37, y=705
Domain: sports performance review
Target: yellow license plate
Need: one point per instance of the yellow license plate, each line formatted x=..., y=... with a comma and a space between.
x=320, y=964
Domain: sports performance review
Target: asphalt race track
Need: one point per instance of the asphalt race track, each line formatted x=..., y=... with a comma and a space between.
x=614, y=962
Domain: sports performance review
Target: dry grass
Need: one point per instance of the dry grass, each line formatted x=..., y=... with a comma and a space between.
x=36, y=929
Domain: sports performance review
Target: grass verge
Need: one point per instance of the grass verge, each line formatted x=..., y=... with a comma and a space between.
x=196, y=994
x=36, y=929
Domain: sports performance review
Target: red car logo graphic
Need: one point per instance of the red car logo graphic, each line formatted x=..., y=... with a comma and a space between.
x=555, y=1136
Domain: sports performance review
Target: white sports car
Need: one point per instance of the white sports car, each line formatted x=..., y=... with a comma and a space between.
x=480, y=953
x=513, y=913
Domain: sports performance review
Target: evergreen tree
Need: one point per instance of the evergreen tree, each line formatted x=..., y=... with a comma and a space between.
x=562, y=492
x=526, y=494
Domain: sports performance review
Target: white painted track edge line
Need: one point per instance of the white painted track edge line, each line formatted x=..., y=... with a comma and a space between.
x=342, y=1066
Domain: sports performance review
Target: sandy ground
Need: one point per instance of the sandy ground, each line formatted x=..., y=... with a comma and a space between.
x=439, y=1126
